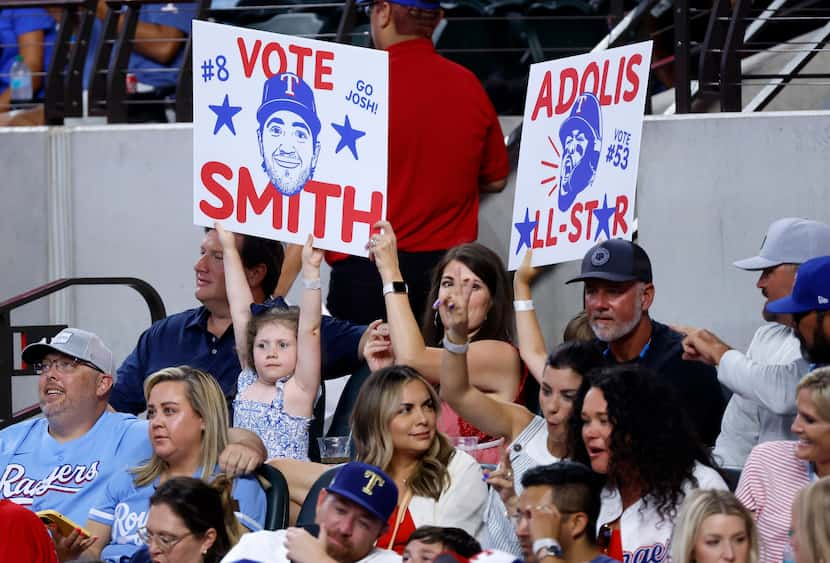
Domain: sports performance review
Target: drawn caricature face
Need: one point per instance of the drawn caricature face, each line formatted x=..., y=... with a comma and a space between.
x=576, y=143
x=289, y=151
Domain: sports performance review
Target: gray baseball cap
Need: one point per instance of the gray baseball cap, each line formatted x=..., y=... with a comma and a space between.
x=790, y=240
x=73, y=342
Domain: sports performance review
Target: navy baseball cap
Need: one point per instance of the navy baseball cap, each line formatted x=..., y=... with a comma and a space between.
x=811, y=291
x=367, y=486
x=422, y=4
x=289, y=92
x=615, y=260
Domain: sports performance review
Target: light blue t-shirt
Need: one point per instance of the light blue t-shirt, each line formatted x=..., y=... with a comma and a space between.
x=43, y=474
x=124, y=507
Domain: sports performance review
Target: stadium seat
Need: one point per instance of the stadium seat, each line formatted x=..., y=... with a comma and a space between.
x=309, y=508
x=276, y=496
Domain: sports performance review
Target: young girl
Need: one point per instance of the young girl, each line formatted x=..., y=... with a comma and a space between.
x=279, y=351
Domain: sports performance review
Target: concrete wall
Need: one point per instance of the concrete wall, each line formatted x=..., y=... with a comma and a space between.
x=116, y=200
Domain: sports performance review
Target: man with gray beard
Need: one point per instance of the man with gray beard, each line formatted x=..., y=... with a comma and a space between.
x=618, y=294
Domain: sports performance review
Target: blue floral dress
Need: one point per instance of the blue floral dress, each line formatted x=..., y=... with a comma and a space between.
x=283, y=434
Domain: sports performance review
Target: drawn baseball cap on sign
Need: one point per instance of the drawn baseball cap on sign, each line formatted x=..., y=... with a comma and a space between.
x=289, y=92
x=615, y=260
x=811, y=290
x=367, y=486
x=586, y=117
x=790, y=240
x=73, y=342
x=422, y=4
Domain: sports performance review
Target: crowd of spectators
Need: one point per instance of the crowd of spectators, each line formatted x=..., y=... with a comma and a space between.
x=623, y=454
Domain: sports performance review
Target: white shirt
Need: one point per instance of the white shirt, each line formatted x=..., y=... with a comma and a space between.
x=764, y=381
x=645, y=536
x=269, y=547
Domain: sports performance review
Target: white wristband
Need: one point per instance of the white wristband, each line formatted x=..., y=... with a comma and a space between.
x=526, y=305
x=454, y=348
x=312, y=284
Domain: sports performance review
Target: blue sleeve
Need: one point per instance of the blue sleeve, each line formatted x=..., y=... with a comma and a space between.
x=251, y=497
x=25, y=20
x=128, y=391
x=118, y=487
x=172, y=15
x=339, y=340
x=135, y=447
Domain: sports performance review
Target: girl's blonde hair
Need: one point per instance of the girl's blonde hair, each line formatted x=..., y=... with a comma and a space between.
x=207, y=400
x=698, y=506
x=377, y=403
x=812, y=506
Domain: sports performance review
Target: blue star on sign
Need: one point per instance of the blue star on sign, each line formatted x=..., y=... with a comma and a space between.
x=603, y=215
x=525, y=229
x=348, y=137
x=224, y=115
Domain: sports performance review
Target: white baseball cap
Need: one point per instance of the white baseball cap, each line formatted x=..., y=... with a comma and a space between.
x=790, y=241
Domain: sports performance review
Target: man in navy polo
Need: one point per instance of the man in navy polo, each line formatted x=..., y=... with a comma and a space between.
x=203, y=337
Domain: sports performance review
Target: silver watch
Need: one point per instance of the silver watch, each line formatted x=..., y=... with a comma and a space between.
x=547, y=546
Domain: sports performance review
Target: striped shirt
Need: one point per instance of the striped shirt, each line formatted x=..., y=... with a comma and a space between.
x=769, y=484
x=529, y=449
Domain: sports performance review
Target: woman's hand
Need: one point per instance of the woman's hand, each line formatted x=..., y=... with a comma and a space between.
x=312, y=258
x=453, y=308
x=378, y=348
x=525, y=274
x=227, y=238
x=383, y=249
x=502, y=479
x=71, y=547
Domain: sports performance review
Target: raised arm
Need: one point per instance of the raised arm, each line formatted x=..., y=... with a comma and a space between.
x=494, y=365
x=306, y=378
x=531, y=342
x=495, y=417
x=239, y=292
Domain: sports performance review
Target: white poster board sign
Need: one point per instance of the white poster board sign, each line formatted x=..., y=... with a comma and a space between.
x=577, y=173
x=289, y=136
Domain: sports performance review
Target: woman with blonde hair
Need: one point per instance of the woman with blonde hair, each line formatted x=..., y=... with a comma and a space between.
x=776, y=471
x=394, y=427
x=188, y=428
x=714, y=526
x=811, y=523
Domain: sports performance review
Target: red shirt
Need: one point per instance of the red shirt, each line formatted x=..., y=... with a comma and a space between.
x=23, y=537
x=444, y=141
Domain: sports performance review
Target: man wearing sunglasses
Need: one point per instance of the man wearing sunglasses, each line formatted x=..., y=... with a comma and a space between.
x=556, y=516
x=62, y=461
x=446, y=147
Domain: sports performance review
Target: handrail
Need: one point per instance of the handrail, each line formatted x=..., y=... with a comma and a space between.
x=7, y=371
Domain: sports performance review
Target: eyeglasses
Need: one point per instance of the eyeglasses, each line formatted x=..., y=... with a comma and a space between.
x=518, y=515
x=165, y=542
x=64, y=366
x=367, y=9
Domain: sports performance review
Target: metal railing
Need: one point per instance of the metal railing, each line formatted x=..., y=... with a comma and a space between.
x=33, y=333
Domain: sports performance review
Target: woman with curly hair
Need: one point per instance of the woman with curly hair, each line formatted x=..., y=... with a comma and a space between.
x=714, y=526
x=633, y=431
x=394, y=428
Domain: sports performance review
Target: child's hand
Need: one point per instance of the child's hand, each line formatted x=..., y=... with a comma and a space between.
x=312, y=258
x=227, y=238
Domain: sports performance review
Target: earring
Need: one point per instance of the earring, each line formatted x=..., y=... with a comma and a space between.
x=437, y=320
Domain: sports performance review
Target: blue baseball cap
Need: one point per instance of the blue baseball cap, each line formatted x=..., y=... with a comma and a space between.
x=811, y=291
x=289, y=92
x=422, y=4
x=367, y=486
